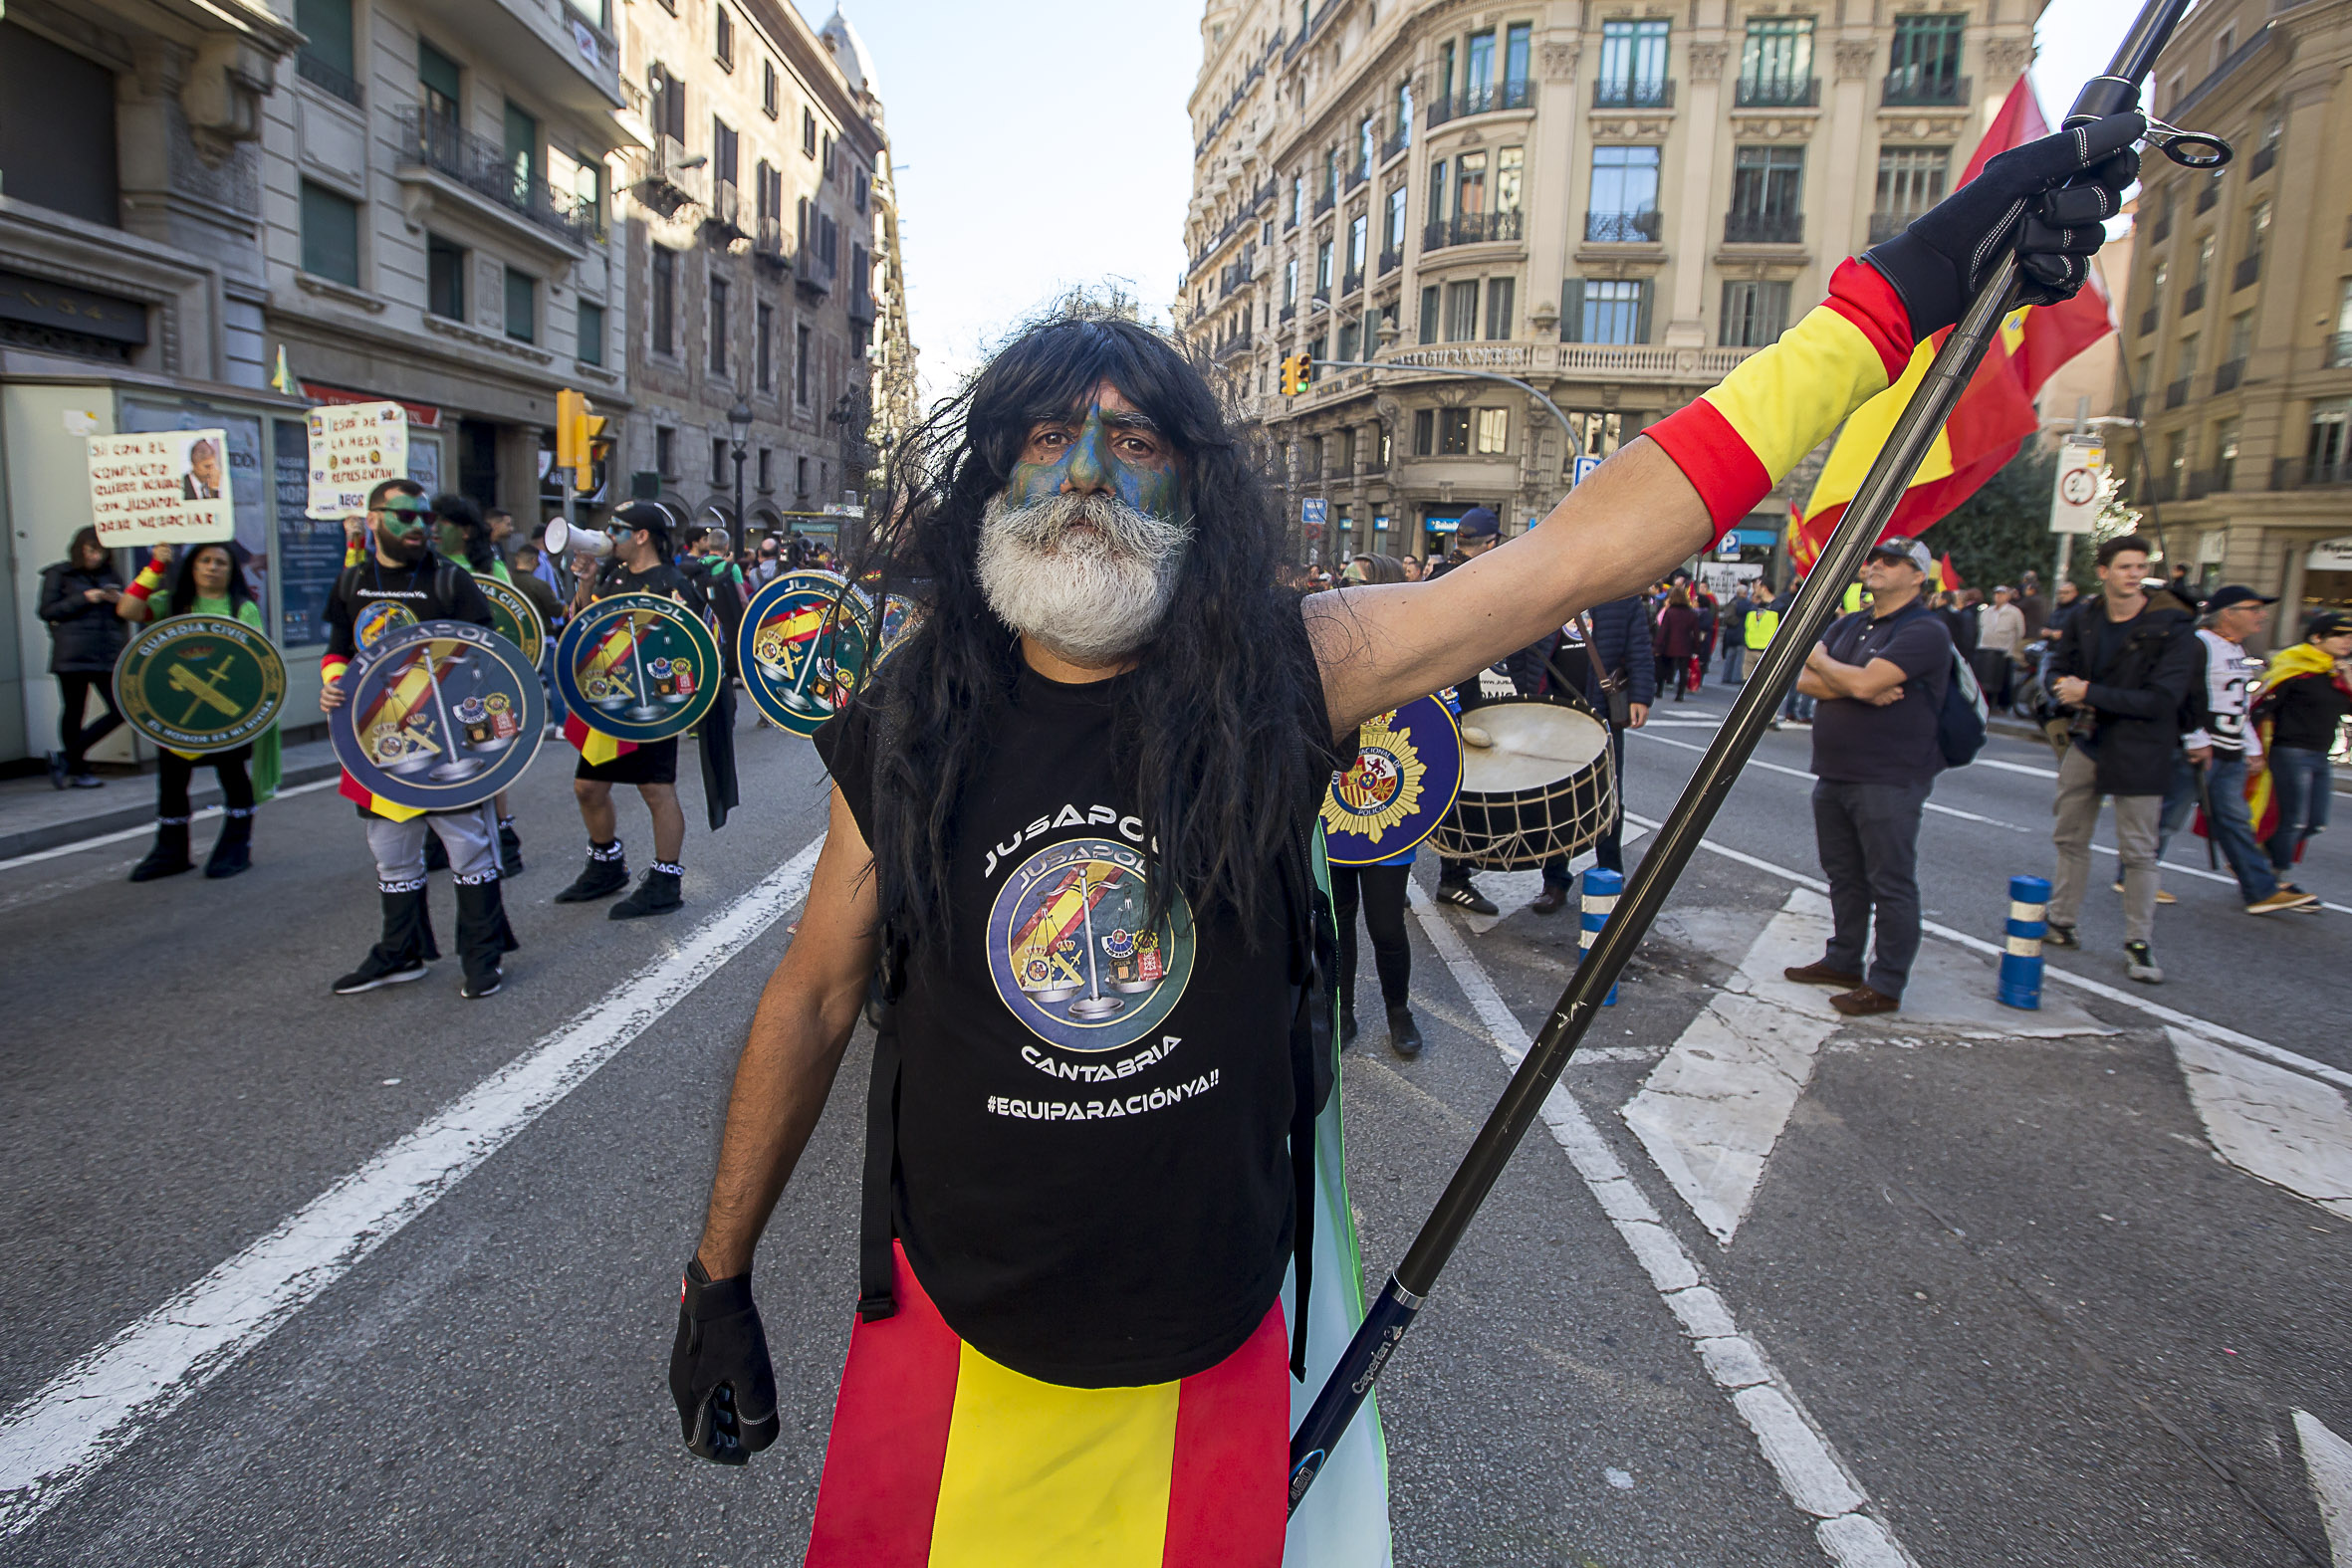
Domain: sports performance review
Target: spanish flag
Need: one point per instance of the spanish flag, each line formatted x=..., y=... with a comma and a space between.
x=595, y=748
x=1994, y=416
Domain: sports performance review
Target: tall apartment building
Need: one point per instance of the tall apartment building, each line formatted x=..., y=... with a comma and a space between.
x=749, y=222
x=1615, y=202
x=2238, y=320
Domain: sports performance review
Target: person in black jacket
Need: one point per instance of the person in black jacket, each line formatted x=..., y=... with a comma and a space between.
x=78, y=599
x=2122, y=670
x=1620, y=647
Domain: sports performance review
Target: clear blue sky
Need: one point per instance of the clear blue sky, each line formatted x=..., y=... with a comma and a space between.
x=1046, y=146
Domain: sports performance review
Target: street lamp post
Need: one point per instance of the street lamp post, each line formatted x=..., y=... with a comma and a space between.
x=739, y=427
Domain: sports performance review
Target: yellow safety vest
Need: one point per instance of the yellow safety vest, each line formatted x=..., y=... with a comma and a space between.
x=1762, y=623
x=1853, y=598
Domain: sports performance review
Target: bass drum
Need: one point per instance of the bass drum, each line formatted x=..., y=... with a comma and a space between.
x=1541, y=786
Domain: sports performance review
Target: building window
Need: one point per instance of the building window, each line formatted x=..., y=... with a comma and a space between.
x=1297, y=200
x=801, y=477
x=765, y=352
x=1347, y=342
x=1515, y=64
x=1754, y=315
x=1462, y=310
x=719, y=455
x=1494, y=432
x=2225, y=454
x=767, y=475
x=1777, y=62
x=1632, y=66
x=1478, y=74
x=1910, y=181
x=525, y=164
x=1453, y=432
x=2326, y=447
x=1291, y=282
x=1605, y=311
x=1924, y=61
x=1367, y=148
x=664, y=304
x=522, y=306
x=718, y=326
x=1392, y=239
x=808, y=133
x=1424, y=432
x=1437, y=190
x=1768, y=193
x=1501, y=297
x=1322, y=269
x=328, y=53
x=1402, y=113
x=723, y=37
x=860, y=189
x=589, y=347
x=770, y=90
x=437, y=83
x=1624, y=207
x=828, y=159
x=330, y=235
x=801, y=366
x=444, y=277
x=665, y=451
x=1359, y=229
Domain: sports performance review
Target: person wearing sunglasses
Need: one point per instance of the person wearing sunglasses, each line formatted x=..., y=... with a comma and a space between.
x=399, y=582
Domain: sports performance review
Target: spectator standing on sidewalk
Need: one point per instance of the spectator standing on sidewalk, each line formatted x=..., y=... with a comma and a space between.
x=1958, y=624
x=85, y=636
x=1878, y=676
x=2306, y=694
x=1735, y=633
x=1620, y=640
x=2124, y=666
x=1521, y=675
x=2227, y=747
x=2001, y=644
x=1677, y=644
x=2033, y=605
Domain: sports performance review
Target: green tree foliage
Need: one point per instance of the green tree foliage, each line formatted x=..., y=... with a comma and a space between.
x=2004, y=529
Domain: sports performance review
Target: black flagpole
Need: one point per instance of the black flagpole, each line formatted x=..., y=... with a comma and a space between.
x=1394, y=1310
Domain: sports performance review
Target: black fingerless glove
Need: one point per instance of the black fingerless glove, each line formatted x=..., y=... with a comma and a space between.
x=2046, y=201
x=720, y=1373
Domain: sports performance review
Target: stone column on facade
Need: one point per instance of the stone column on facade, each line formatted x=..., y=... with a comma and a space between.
x=1846, y=133
x=2280, y=333
x=1697, y=206
x=1553, y=232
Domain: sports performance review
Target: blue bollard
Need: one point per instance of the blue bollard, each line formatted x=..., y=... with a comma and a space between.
x=1600, y=901
x=2021, y=965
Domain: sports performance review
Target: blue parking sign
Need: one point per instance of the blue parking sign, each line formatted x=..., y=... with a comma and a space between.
x=1312, y=510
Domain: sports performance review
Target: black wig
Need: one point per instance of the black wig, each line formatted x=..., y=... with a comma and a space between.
x=481, y=557
x=1222, y=739
x=183, y=577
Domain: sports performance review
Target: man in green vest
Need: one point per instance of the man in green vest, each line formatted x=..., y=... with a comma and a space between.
x=1763, y=618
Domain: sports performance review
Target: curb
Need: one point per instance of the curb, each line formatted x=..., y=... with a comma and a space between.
x=98, y=823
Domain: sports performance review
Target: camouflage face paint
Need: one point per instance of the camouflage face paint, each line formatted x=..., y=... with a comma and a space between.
x=1092, y=460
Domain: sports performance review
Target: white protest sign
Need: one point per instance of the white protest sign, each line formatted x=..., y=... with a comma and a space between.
x=2074, y=500
x=171, y=487
x=353, y=448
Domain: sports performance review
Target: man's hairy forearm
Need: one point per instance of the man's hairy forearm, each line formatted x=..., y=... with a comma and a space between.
x=782, y=1081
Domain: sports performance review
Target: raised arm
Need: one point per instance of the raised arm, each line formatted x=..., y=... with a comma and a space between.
x=787, y=1069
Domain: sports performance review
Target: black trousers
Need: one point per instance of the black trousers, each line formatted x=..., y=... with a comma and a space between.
x=73, y=689
x=1381, y=892
x=1868, y=835
x=173, y=772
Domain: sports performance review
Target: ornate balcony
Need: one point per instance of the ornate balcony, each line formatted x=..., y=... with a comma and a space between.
x=1634, y=92
x=1777, y=93
x=1622, y=228
x=481, y=168
x=1764, y=228
x=1913, y=88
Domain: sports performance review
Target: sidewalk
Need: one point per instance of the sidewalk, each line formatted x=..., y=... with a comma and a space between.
x=34, y=817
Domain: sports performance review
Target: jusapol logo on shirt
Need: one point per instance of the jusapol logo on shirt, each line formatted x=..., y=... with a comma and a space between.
x=1073, y=952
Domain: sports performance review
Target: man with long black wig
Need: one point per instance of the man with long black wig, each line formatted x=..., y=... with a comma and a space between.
x=1107, y=1255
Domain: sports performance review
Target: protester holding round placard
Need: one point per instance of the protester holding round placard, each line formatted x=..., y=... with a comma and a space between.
x=209, y=581
x=463, y=534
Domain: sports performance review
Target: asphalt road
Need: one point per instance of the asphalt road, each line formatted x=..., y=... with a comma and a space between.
x=1928, y=1289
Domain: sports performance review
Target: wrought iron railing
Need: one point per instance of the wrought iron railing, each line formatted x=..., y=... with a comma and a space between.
x=1777, y=92
x=483, y=168
x=1912, y=88
x=2228, y=374
x=1472, y=228
x=2249, y=269
x=319, y=74
x=2193, y=298
x=1634, y=92
x=1764, y=228
x=2176, y=392
x=1622, y=228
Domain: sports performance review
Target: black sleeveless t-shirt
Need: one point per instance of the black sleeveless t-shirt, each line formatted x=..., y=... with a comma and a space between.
x=1095, y=1182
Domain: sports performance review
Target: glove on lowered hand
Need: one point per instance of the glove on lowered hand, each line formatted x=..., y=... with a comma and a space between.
x=2046, y=200
x=720, y=1373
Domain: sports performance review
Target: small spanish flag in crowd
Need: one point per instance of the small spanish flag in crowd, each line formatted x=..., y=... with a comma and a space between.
x=1994, y=416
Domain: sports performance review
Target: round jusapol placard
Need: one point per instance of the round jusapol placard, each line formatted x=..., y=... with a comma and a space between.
x=200, y=683
x=800, y=657
x=638, y=667
x=1407, y=772
x=438, y=716
x=514, y=617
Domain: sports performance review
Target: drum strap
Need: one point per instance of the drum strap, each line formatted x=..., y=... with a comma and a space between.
x=1315, y=972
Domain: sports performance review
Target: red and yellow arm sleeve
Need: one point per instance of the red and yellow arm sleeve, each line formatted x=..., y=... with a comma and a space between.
x=332, y=666
x=149, y=578
x=1737, y=440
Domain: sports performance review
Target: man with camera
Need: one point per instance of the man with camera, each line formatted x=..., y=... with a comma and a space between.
x=2122, y=670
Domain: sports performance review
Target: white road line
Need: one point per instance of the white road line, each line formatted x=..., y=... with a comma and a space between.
x=2015, y=768
x=2155, y=1010
x=2282, y=1126
x=145, y=829
x=61, y=1436
x=1793, y=1443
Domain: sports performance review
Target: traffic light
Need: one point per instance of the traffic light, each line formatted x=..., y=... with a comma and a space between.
x=1298, y=372
x=579, y=438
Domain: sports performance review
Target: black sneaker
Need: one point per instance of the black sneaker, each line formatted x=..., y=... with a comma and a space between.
x=661, y=893
x=1463, y=896
x=1404, y=1035
x=599, y=879
x=2140, y=964
x=2057, y=936
x=57, y=770
x=487, y=986
x=374, y=974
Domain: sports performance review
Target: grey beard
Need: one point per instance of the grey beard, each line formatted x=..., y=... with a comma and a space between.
x=1090, y=598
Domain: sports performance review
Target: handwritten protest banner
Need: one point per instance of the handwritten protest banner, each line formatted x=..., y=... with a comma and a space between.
x=168, y=487
x=353, y=448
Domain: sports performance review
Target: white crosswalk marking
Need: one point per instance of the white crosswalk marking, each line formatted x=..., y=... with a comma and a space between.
x=2282, y=1126
x=2327, y=1460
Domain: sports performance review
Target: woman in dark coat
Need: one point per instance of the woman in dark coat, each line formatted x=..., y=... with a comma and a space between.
x=78, y=599
x=1678, y=640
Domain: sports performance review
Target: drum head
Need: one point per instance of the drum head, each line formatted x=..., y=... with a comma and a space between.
x=1535, y=744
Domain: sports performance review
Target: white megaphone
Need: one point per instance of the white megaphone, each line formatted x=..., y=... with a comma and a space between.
x=562, y=538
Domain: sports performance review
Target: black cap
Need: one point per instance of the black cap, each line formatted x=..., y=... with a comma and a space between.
x=1478, y=522
x=644, y=515
x=2329, y=623
x=2236, y=594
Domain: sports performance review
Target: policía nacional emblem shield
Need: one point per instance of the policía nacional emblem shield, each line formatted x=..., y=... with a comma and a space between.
x=802, y=656
x=200, y=683
x=514, y=617
x=1407, y=772
x=638, y=667
x=438, y=716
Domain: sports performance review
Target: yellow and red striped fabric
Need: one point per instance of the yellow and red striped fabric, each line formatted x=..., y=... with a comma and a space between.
x=1736, y=441
x=1994, y=416
x=942, y=1459
x=595, y=747
x=331, y=669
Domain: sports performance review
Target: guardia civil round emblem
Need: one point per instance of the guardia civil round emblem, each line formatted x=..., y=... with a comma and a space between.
x=438, y=716
x=1075, y=953
x=200, y=683
x=1406, y=774
x=638, y=667
x=378, y=616
x=803, y=648
x=514, y=617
